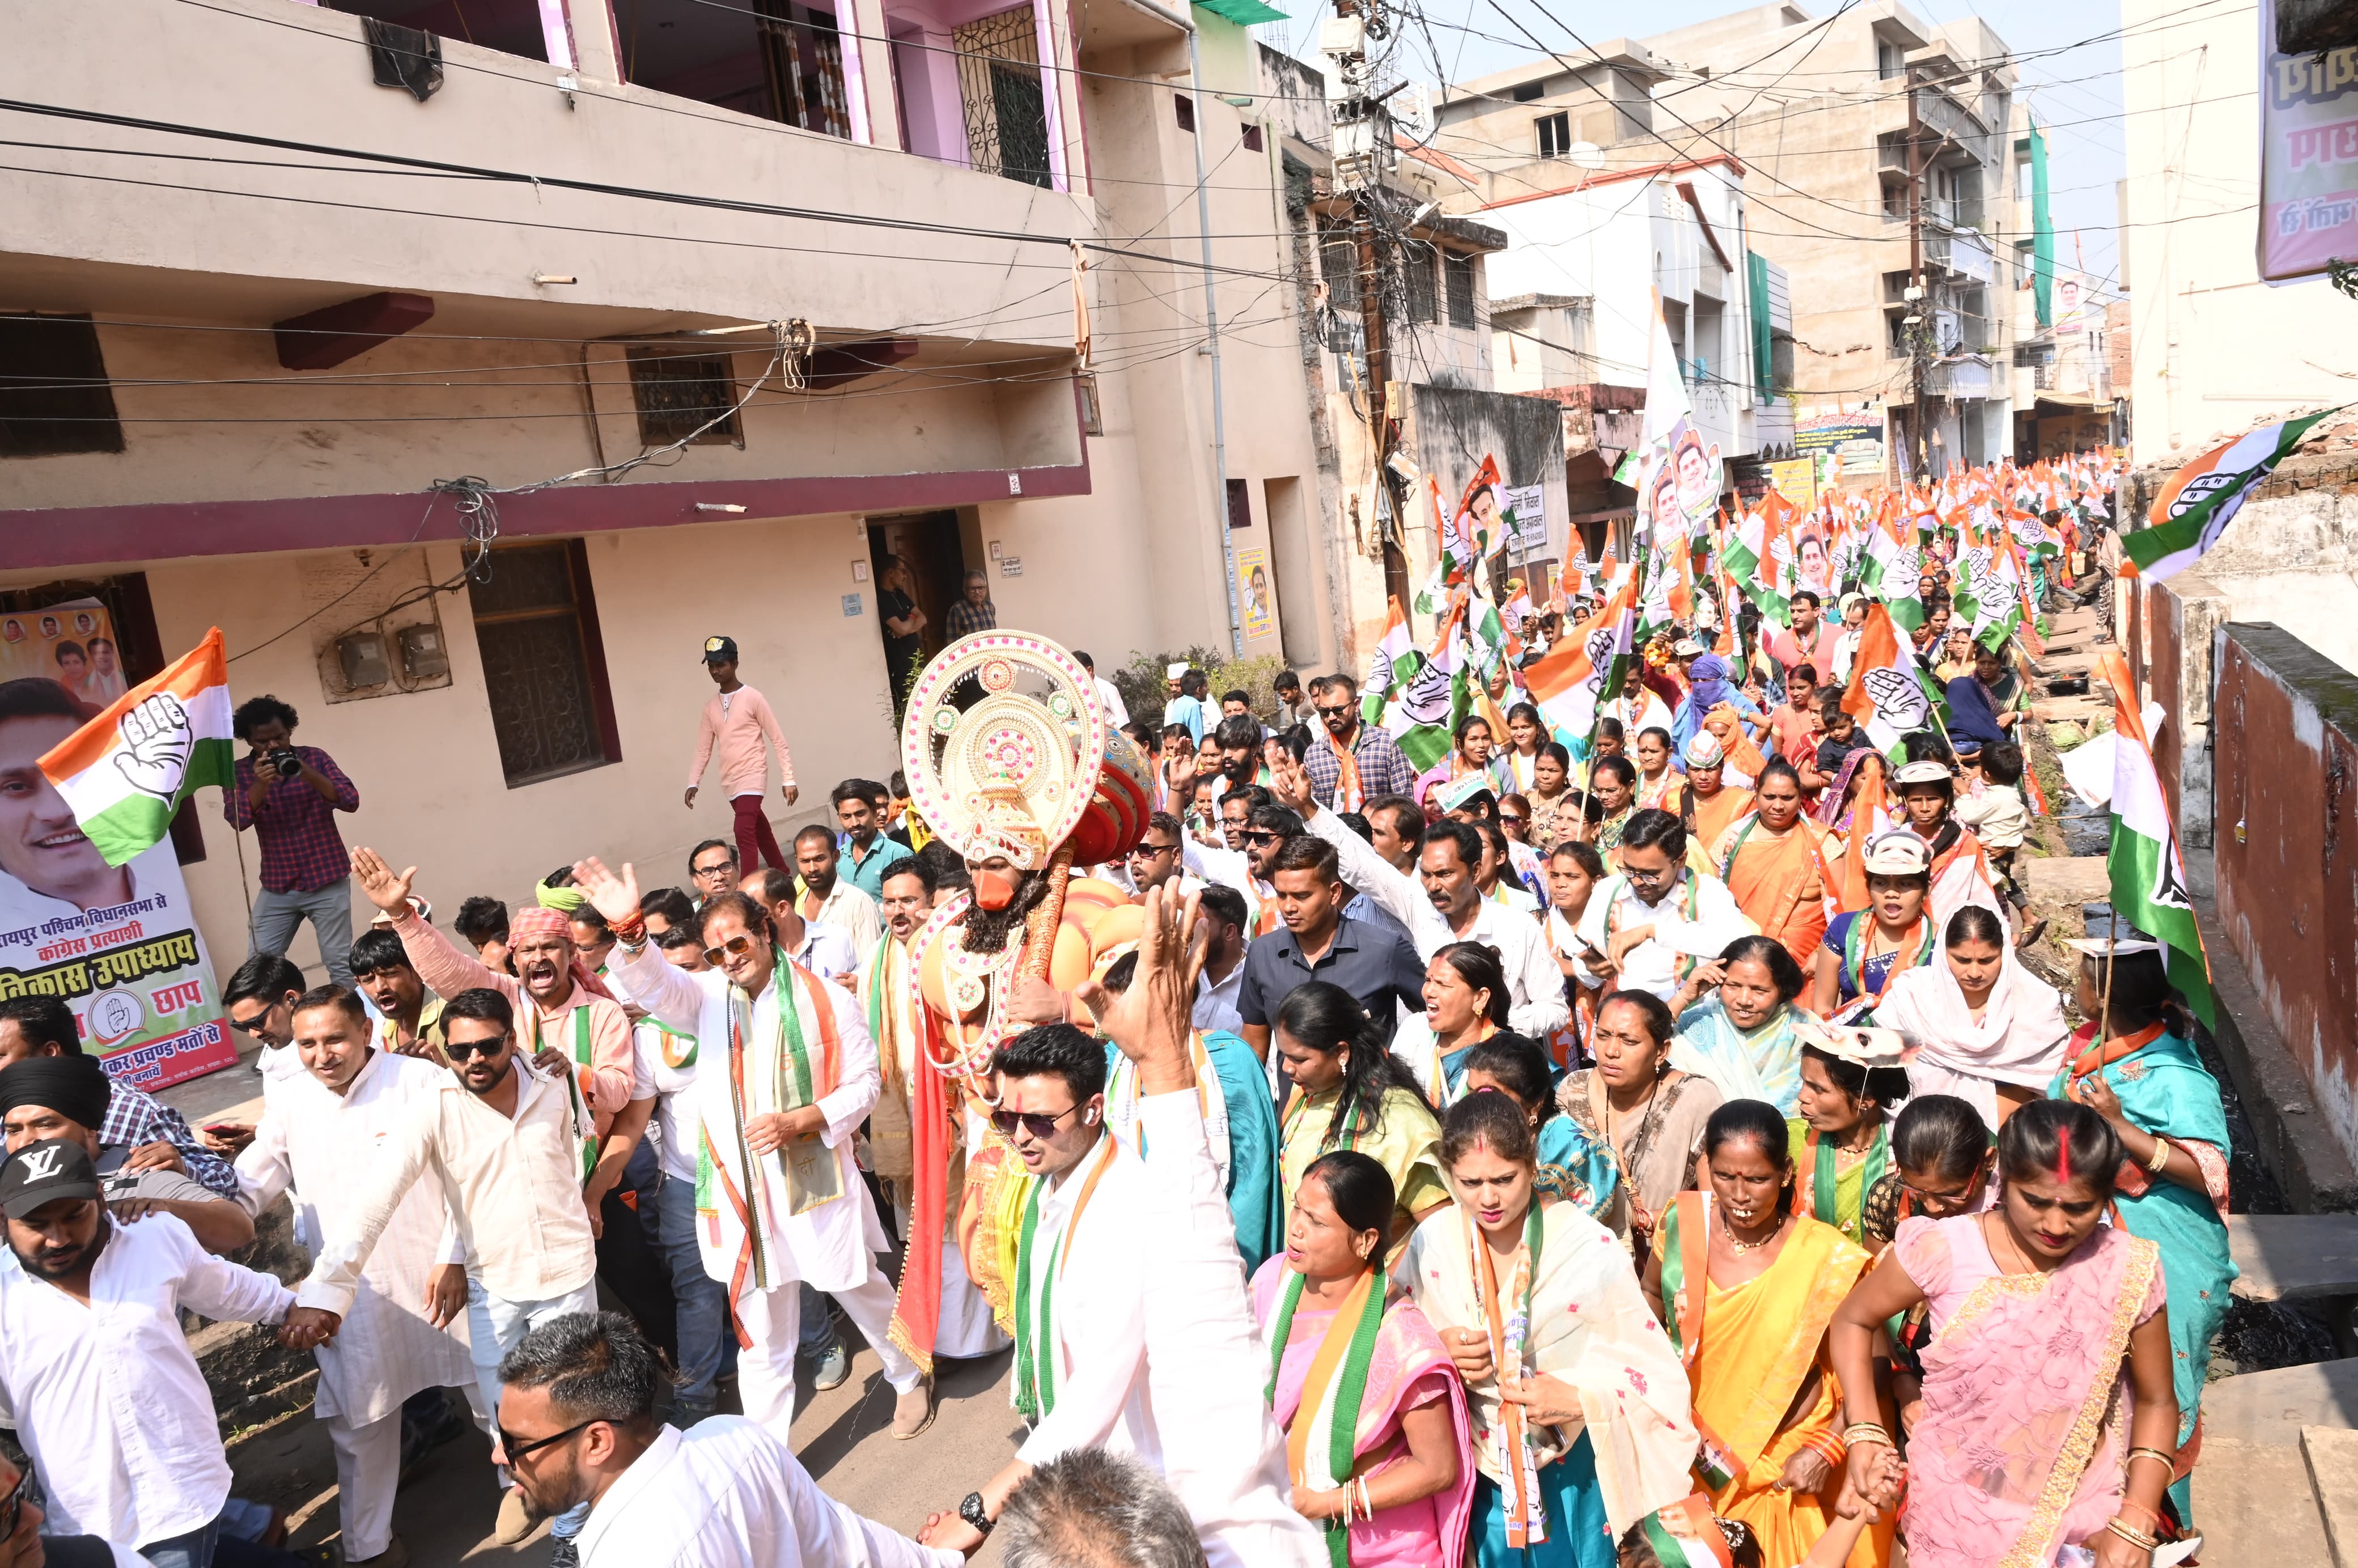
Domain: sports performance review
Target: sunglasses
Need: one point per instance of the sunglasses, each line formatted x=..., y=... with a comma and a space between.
x=460, y=1049
x=1511, y=820
x=1148, y=851
x=1324, y=712
x=1041, y=1128
x=516, y=1450
x=735, y=948
x=1263, y=837
x=254, y=1026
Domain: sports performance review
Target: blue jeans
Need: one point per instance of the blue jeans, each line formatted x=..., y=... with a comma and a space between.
x=702, y=1301
x=194, y=1550
x=817, y=1336
x=330, y=911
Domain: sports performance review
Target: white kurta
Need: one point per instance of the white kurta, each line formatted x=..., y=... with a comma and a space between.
x=1657, y=964
x=1097, y=1315
x=321, y=1145
x=728, y=1494
x=830, y=1248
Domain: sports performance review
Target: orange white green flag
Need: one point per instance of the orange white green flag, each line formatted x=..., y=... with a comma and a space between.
x=127, y=772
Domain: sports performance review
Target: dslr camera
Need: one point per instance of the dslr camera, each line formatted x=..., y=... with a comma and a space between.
x=283, y=761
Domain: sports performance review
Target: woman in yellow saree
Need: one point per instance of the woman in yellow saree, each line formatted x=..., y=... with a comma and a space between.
x=1746, y=1285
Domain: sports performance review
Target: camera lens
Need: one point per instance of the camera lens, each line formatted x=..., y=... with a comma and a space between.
x=287, y=764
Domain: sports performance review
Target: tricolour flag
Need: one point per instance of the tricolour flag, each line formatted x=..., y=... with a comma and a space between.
x=2149, y=877
x=1427, y=704
x=1392, y=667
x=1889, y=693
x=1759, y=556
x=127, y=772
x=1998, y=594
x=2200, y=499
x=1894, y=573
x=1586, y=668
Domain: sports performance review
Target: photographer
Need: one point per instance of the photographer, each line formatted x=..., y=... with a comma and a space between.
x=290, y=795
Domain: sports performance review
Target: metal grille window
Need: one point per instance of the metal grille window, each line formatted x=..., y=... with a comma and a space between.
x=544, y=664
x=54, y=396
x=1416, y=277
x=1000, y=87
x=677, y=393
x=1338, y=264
x=1457, y=279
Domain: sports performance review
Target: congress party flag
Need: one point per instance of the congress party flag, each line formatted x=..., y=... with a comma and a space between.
x=1759, y=556
x=127, y=772
x=1586, y=668
x=1392, y=666
x=1889, y=693
x=2149, y=877
x=2200, y=499
x=1893, y=573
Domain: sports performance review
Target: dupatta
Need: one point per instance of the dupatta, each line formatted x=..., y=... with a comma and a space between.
x=1765, y=1065
x=2019, y=1039
x=1589, y=1327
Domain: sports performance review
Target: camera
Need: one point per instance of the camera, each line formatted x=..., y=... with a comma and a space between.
x=285, y=763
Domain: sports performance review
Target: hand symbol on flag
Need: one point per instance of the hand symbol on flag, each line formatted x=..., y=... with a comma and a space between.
x=1900, y=700
x=156, y=743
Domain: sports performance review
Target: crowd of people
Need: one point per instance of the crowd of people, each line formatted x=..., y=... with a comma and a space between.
x=1644, y=1147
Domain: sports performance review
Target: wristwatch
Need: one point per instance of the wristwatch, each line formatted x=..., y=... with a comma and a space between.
x=971, y=1511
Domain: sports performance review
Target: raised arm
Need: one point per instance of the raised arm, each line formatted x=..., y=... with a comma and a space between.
x=440, y=964
x=639, y=974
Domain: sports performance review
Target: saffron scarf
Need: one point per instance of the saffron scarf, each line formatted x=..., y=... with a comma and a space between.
x=1331, y=1395
x=1506, y=1317
x=1348, y=795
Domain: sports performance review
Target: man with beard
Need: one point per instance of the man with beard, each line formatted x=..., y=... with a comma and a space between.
x=316, y=1143
x=1353, y=762
x=830, y=898
x=500, y=1145
x=96, y=1369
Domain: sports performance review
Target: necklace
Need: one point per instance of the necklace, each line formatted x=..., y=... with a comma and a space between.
x=1728, y=1229
x=1639, y=1110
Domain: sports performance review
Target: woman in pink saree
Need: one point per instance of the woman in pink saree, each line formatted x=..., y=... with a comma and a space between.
x=2049, y=1416
x=1376, y=1432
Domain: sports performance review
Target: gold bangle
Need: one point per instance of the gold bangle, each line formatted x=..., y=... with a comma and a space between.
x=2160, y=1154
x=1865, y=1432
x=2170, y=1460
x=2131, y=1534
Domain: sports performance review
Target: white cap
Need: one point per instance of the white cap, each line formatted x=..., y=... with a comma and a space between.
x=1925, y=771
x=1898, y=853
x=1861, y=1047
x=1704, y=750
x=1173, y=672
x=2095, y=949
x=423, y=911
x=1686, y=648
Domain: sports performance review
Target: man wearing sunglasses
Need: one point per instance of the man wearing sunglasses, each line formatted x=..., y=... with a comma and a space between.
x=791, y=1206
x=257, y=996
x=1353, y=763
x=317, y=1143
x=500, y=1146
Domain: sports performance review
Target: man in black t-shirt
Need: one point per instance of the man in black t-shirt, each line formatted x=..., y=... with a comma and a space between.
x=905, y=625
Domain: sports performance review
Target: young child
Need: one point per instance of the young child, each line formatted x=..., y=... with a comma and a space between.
x=1838, y=738
x=1573, y=869
x=1992, y=805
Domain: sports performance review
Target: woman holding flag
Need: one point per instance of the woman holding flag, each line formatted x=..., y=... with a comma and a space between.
x=1470, y=754
x=1376, y=1431
x=2145, y=1079
x=1581, y=1425
x=1748, y=1285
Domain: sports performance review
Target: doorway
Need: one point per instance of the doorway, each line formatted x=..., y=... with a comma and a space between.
x=927, y=543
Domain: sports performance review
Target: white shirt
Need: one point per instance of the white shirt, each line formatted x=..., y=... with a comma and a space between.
x=1096, y=1309
x=653, y=1050
x=829, y=1246
x=825, y=951
x=1536, y=1007
x=729, y=1494
x=107, y=1397
x=1654, y=964
x=1110, y=696
x=849, y=909
x=1215, y=1003
x=323, y=1145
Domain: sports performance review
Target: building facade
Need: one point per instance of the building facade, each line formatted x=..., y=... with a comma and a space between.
x=302, y=362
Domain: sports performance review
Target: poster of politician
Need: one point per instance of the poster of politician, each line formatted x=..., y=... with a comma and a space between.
x=118, y=945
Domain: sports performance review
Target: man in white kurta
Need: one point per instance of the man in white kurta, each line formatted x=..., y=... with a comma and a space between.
x=1686, y=919
x=319, y=1136
x=832, y=1245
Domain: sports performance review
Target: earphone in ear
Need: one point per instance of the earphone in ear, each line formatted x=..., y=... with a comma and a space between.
x=1088, y=1119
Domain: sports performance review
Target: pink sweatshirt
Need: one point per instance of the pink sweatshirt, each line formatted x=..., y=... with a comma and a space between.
x=744, y=767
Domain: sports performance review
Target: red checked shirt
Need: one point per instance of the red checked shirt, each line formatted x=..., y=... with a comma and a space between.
x=301, y=850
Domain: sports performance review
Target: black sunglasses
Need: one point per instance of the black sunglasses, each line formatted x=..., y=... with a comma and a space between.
x=254, y=1026
x=1261, y=836
x=460, y=1049
x=1326, y=712
x=517, y=1451
x=1039, y=1127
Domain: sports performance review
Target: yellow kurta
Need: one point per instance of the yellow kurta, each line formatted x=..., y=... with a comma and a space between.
x=1408, y=1146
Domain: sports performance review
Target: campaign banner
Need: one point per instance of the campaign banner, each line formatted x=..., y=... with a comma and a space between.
x=118, y=945
x=1255, y=598
x=2308, y=156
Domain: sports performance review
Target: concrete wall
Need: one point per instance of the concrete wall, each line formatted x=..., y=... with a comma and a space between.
x=2286, y=851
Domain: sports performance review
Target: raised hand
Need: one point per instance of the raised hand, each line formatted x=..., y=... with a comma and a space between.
x=1152, y=1020
x=157, y=744
x=1289, y=781
x=616, y=898
x=387, y=892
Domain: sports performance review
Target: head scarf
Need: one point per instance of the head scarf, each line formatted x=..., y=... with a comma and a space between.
x=75, y=1087
x=1971, y=717
x=546, y=922
x=565, y=901
x=1708, y=684
x=1830, y=808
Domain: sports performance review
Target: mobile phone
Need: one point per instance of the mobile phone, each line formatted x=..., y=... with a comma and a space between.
x=225, y=1128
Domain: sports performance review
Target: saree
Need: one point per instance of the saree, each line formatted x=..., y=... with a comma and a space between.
x=1577, y=1168
x=1837, y=1197
x=2027, y=1398
x=1753, y=1352
x=2166, y=1090
x=1779, y=881
x=1239, y=1126
x=1764, y=1065
x=1713, y=815
x=1581, y=1318
x=1406, y=1369
x=1406, y=1141
x=2018, y=1040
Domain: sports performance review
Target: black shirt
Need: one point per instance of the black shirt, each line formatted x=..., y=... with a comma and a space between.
x=1377, y=965
x=894, y=605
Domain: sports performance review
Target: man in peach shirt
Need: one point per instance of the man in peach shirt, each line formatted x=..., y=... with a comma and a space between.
x=737, y=721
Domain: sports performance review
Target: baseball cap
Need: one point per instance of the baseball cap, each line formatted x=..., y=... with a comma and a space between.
x=720, y=649
x=44, y=1171
x=1924, y=772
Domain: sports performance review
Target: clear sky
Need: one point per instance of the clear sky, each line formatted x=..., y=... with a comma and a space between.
x=2072, y=82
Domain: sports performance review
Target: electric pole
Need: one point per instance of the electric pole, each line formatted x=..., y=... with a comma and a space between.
x=1362, y=146
x=1920, y=298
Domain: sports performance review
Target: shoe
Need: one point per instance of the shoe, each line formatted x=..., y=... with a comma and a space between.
x=914, y=1411
x=395, y=1555
x=834, y=1368
x=517, y=1518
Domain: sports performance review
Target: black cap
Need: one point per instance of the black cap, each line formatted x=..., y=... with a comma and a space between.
x=44, y=1171
x=720, y=649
